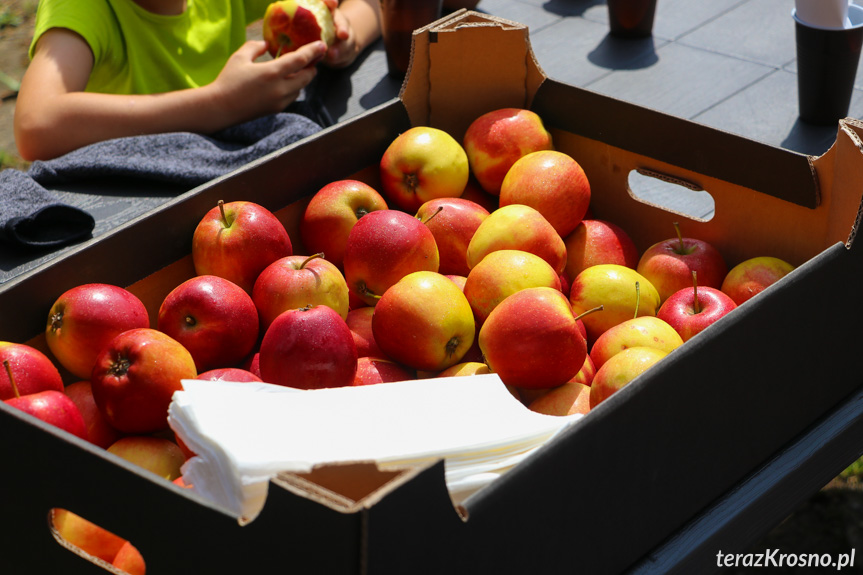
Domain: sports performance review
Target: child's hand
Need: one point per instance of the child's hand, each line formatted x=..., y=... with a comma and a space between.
x=346, y=48
x=247, y=89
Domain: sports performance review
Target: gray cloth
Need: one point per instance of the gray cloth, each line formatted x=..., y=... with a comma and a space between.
x=30, y=215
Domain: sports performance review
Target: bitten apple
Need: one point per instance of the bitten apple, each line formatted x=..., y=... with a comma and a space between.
x=424, y=321
x=308, y=348
x=669, y=264
x=31, y=370
x=331, y=214
x=85, y=318
x=289, y=24
x=383, y=247
x=299, y=281
x=751, y=277
x=452, y=222
x=135, y=377
x=237, y=240
x=595, y=242
x=213, y=318
x=517, y=227
x=532, y=340
x=551, y=182
x=496, y=140
x=422, y=164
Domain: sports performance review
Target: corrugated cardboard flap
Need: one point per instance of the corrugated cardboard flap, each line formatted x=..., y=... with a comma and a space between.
x=349, y=487
x=466, y=65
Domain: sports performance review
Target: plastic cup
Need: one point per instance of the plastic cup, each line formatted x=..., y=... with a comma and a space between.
x=631, y=18
x=822, y=13
x=399, y=19
x=827, y=60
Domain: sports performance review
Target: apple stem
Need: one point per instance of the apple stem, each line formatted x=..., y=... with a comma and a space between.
x=225, y=221
x=696, y=305
x=436, y=212
x=679, y=237
x=637, y=297
x=588, y=312
x=11, y=379
x=279, y=51
x=364, y=291
x=310, y=258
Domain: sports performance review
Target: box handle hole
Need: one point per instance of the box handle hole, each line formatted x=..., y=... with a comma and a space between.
x=95, y=544
x=671, y=194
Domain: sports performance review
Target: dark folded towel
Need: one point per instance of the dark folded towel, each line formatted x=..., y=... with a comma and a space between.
x=30, y=216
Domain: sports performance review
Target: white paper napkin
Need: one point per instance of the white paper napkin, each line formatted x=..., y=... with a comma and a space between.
x=246, y=433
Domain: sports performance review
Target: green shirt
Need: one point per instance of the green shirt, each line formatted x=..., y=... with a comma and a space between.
x=138, y=52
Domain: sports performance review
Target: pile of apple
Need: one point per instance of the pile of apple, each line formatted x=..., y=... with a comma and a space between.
x=472, y=258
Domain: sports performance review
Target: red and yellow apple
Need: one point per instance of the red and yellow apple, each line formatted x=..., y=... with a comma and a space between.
x=299, y=281
x=31, y=369
x=237, y=240
x=644, y=331
x=551, y=182
x=84, y=319
x=86, y=535
x=135, y=377
x=751, y=277
x=614, y=288
x=503, y=273
x=130, y=560
x=594, y=242
x=452, y=222
x=517, y=227
x=360, y=323
x=331, y=214
x=424, y=321
x=464, y=369
x=383, y=247
x=99, y=431
x=620, y=370
x=235, y=374
x=421, y=164
x=497, y=139
x=308, y=348
x=691, y=310
x=568, y=399
x=373, y=370
x=532, y=340
x=213, y=318
x=669, y=264
x=155, y=454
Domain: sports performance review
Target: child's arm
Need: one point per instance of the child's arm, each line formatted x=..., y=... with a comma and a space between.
x=54, y=115
x=358, y=24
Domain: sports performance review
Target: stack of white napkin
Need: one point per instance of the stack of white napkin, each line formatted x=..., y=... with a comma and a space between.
x=246, y=433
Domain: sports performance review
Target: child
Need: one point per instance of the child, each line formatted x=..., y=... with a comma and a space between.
x=103, y=69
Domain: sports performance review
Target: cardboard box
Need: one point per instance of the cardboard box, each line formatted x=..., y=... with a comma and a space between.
x=597, y=499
